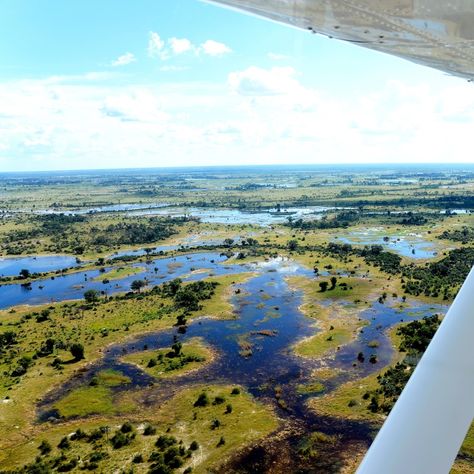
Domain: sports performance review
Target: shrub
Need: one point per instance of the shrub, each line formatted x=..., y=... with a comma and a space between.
x=120, y=439
x=149, y=430
x=202, y=400
x=44, y=447
x=64, y=443
x=78, y=434
x=127, y=427
x=219, y=400
x=165, y=441
x=77, y=351
x=215, y=423
x=137, y=459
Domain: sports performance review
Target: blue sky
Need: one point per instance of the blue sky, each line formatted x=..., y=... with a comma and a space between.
x=87, y=84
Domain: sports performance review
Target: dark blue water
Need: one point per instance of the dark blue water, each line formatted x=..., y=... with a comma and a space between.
x=267, y=303
x=13, y=266
x=381, y=317
x=73, y=286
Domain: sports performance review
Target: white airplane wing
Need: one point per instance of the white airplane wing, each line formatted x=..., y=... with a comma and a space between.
x=436, y=33
x=427, y=425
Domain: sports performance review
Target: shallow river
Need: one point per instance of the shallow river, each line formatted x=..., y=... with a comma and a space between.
x=265, y=302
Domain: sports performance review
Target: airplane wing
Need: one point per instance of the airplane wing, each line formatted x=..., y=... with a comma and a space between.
x=435, y=33
x=424, y=431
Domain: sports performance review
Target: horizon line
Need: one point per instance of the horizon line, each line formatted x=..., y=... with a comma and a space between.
x=247, y=166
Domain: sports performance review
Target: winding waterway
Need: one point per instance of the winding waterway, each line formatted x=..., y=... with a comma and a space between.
x=265, y=303
x=267, y=317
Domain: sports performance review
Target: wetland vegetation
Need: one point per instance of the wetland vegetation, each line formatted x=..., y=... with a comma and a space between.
x=259, y=319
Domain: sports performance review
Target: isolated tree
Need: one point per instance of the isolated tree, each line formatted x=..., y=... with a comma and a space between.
x=228, y=242
x=176, y=347
x=181, y=320
x=44, y=447
x=323, y=285
x=202, y=400
x=292, y=245
x=333, y=282
x=137, y=285
x=77, y=351
x=91, y=296
x=24, y=273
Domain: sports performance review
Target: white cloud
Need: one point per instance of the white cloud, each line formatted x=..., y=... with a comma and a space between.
x=180, y=45
x=255, y=81
x=156, y=46
x=259, y=116
x=214, y=48
x=138, y=105
x=124, y=59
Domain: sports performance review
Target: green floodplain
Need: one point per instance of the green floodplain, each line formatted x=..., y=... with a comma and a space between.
x=259, y=319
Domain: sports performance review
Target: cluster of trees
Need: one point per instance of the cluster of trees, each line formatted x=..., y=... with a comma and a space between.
x=133, y=233
x=373, y=255
x=410, y=219
x=187, y=297
x=19, y=241
x=7, y=339
x=168, y=456
x=174, y=359
x=431, y=200
x=415, y=337
x=439, y=278
x=387, y=261
x=324, y=285
x=77, y=233
x=341, y=220
x=52, y=224
x=434, y=279
x=464, y=235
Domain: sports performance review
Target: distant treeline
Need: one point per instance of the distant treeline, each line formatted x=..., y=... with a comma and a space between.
x=78, y=234
x=346, y=219
x=464, y=235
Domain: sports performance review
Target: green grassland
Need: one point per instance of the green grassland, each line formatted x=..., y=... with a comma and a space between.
x=95, y=326
x=101, y=404
x=194, y=355
x=120, y=272
x=336, y=324
x=244, y=422
x=97, y=398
